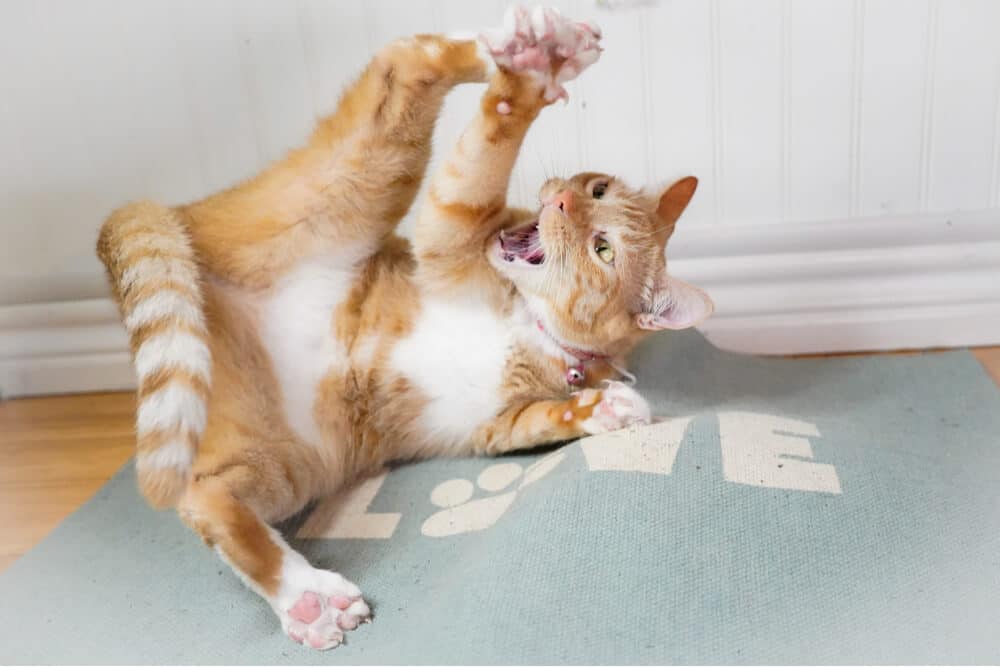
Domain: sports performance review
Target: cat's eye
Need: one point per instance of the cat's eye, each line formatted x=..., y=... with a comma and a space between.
x=604, y=250
x=599, y=189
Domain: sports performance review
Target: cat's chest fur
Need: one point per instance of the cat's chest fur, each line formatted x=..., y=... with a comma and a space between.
x=456, y=355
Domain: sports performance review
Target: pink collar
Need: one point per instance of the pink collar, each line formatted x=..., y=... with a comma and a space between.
x=576, y=373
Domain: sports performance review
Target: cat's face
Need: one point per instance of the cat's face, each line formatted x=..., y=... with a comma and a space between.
x=592, y=267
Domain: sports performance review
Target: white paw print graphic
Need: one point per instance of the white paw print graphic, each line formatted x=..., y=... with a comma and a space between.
x=461, y=514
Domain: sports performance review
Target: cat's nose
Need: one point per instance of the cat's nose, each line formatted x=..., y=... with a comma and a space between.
x=562, y=200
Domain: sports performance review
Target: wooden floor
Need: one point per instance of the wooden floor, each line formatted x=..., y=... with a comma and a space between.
x=57, y=451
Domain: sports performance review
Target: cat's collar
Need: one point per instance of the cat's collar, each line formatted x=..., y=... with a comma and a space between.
x=576, y=374
x=575, y=352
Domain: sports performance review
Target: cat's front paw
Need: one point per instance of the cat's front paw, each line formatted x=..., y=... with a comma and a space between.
x=547, y=45
x=617, y=407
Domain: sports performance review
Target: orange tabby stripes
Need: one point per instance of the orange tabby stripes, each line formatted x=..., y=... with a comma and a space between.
x=154, y=277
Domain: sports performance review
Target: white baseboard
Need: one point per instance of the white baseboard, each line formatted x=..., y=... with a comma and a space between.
x=63, y=347
x=838, y=286
x=851, y=285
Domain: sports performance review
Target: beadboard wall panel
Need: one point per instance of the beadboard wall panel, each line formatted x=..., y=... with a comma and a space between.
x=963, y=106
x=890, y=70
x=791, y=112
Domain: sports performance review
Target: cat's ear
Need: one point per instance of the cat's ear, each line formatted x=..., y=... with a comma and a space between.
x=673, y=201
x=675, y=305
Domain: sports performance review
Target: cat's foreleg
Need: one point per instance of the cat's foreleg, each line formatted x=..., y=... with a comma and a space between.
x=534, y=53
x=587, y=412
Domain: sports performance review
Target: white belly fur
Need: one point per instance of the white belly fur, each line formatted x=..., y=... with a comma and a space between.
x=297, y=331
x=455, y=355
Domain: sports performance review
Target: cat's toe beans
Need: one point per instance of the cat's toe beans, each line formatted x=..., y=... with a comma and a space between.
x=339, y=601
x=318, y=615
x=324, y=634
x=531, y=41
x=353, y=615
x=531, y=58
x=297, y=631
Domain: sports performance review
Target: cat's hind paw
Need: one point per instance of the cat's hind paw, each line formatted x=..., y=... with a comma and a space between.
x=544, y=43
x=318, y=607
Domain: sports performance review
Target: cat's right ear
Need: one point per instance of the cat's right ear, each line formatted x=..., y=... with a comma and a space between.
x=673, y=201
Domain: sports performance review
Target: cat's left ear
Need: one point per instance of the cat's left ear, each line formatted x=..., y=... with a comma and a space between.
x=673, y=201
x=675, y=305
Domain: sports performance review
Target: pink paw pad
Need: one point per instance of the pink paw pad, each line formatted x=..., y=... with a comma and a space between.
x=307, y=609
x=340, y=602
x=320, y=607
x=324, y=635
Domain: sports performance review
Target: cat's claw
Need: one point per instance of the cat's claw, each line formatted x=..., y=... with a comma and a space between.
x=545, y=44
x=620, y=406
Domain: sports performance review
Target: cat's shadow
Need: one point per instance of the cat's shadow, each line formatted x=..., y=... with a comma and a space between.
x=684, y=372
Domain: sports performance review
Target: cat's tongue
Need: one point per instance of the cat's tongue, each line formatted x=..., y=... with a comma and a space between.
x=522, y=243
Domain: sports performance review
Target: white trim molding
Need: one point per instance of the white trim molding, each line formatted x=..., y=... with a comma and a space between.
x=797, y=288
x=862, y=284
x=63, y=347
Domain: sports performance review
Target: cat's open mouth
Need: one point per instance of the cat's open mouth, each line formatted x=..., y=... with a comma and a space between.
x=522, y=243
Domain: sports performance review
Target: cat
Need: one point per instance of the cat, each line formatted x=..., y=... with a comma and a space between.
x=287, y=341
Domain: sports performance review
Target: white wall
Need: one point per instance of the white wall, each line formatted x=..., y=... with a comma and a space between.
x=796, y=116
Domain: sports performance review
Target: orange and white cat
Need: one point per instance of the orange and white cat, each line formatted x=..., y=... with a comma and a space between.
x=287, y=341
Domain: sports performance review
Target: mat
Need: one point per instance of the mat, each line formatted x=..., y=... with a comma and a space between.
x=842, y=510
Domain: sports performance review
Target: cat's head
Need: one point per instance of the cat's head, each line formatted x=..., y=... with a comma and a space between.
x=592, y=266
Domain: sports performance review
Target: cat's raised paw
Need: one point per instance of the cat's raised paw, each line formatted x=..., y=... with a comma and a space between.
x=620, y=406
x=546, y=44
x=317, y=606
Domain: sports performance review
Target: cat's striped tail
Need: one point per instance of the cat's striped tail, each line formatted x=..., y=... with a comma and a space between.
x=155, y=278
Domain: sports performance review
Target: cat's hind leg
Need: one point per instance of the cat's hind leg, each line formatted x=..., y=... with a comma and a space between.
x=390, y=115
x=343, y=193
x=315, y=607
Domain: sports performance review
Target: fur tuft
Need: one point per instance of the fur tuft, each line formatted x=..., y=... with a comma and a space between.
x=155, y=280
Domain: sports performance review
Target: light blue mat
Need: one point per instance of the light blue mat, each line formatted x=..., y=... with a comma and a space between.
x=793, y=511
